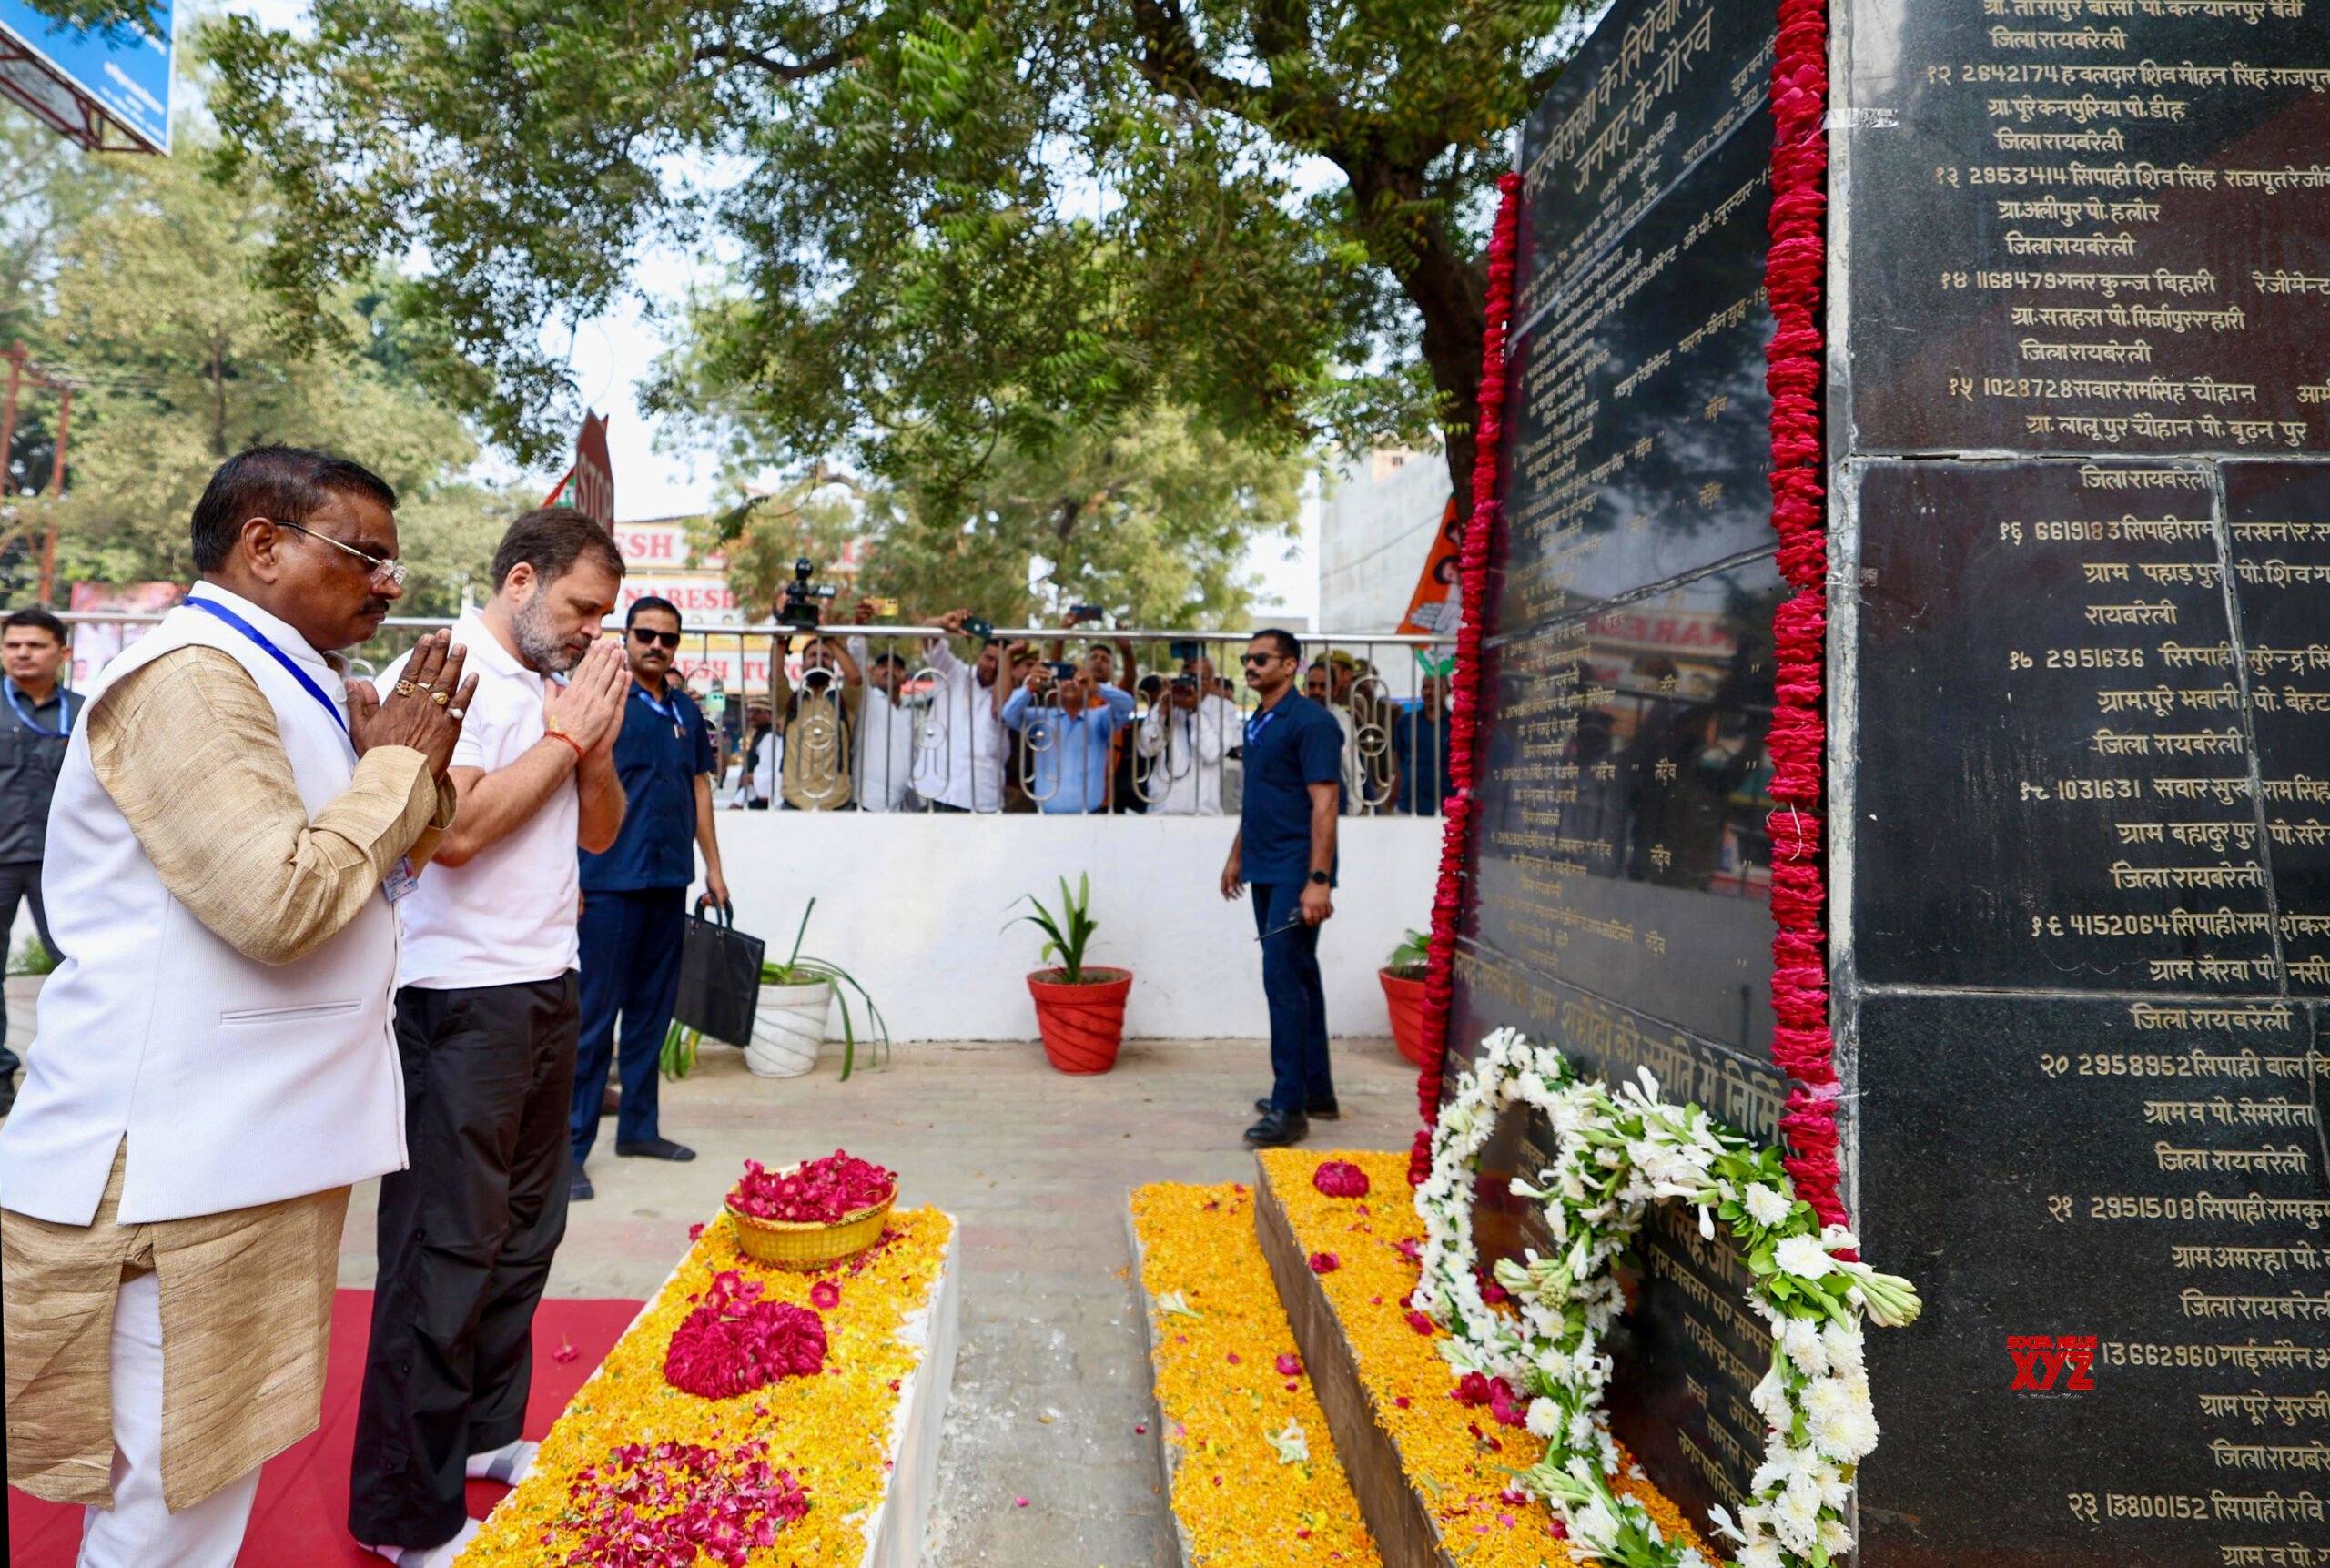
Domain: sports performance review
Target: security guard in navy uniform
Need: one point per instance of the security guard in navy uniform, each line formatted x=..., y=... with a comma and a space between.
x=634, y=896
x=36, y=726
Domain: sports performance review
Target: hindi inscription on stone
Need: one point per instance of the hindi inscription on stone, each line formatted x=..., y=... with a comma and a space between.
x=2118, y=1221
x=2089, y=225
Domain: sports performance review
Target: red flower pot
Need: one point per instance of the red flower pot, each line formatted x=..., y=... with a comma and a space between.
x=1082, y=1025
x=1405, y=999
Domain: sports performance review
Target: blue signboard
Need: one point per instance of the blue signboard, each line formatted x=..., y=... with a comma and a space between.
x=122, y=72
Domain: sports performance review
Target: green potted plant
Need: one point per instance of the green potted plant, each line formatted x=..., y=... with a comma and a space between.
x=28, y=970
x=1079, y=1011
x=789, y=1024
x=1403, y=976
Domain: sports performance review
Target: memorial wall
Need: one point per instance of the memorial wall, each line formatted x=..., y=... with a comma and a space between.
x=2079, y=738
x=1620, y=867
x=2080, y=721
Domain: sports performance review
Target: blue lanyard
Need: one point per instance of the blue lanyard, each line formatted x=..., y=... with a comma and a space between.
x=1258, y=723
x=64, y=707
x=307, y=681
x=669, y=708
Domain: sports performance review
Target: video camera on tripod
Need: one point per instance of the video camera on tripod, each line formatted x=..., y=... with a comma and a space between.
x=799, y=608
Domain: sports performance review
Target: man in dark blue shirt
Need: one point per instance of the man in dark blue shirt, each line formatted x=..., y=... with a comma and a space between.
x=36, y=726
x=634, y=896
x=1285, y=849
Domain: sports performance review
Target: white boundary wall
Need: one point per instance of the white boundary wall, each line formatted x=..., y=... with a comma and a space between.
x=913, y=906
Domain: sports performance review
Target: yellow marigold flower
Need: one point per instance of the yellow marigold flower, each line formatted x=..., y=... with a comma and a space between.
x=1462, y=1478
x=831, y=1431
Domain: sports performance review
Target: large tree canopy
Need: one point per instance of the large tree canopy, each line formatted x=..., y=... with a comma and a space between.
x=130, y=276
x=957, y=229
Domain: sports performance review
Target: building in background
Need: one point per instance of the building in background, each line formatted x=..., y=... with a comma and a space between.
x=1379, y=516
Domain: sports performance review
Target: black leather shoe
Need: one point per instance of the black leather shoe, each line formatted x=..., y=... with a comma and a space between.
x=579, y=1188
x=1277, y=1129
x=656, y=1148
x=1317, y=1110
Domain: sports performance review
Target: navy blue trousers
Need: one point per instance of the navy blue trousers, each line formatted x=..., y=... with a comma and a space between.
x=631, y=970
x=1297, y=997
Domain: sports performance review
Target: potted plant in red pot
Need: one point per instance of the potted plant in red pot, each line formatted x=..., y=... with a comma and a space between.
x=1403, y=976
x=1080, y=1011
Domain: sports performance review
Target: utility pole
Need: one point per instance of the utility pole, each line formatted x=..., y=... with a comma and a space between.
x=56, y=495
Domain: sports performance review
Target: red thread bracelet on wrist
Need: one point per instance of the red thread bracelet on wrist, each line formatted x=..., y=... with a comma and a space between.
x=581, y=756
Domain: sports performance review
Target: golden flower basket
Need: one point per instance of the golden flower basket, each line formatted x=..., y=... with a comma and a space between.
x=807, y=1245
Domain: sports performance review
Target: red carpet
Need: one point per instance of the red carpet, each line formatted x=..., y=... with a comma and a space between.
x=300, y=1520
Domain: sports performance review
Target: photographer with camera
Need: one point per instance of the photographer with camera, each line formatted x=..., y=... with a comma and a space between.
x=1071, y=721
x=885, y=724
x=1189, y=730
x=959, y=765
x=817, y=723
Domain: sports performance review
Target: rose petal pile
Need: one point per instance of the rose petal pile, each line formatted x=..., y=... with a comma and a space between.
x=1340, y=1179
x=658, y=1505
x=733, y=1342
x=818, y=1192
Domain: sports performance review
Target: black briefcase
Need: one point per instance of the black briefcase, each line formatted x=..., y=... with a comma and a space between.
x=720, y=977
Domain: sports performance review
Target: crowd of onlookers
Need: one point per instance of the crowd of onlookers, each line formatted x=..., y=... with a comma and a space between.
x=975, y=723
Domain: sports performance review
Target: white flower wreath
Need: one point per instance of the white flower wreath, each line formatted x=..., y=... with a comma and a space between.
x=1615, y=1155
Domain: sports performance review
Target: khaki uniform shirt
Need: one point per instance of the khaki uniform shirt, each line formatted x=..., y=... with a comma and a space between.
x=188, y=748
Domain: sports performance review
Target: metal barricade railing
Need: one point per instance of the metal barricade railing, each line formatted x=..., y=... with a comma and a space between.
x=886, y=717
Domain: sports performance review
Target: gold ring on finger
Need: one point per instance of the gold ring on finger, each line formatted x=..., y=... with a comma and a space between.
x=441, y=698
x=404, y=688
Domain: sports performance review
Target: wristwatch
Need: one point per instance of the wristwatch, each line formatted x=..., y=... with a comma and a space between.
x=1319, y=876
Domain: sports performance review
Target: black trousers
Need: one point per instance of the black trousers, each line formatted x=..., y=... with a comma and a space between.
x=466, y=1237
x=20, y=880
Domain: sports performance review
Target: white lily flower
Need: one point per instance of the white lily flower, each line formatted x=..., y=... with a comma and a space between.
x=1765, y=1205
x=1803, y=1255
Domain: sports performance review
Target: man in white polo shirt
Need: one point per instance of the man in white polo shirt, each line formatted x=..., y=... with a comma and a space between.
x=486, y=1025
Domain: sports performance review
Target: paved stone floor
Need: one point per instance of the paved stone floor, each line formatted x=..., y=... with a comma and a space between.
x=1051, y=1378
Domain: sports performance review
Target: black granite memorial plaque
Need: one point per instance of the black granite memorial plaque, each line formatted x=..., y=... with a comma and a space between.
x=1638, y=429
x=2053, y=764
x=1649, y=95
x=1620, y=904
x=1622, y=842
x=2117, y=1221
x=2089, y=225
x=2278, y=515
x=2079, y=719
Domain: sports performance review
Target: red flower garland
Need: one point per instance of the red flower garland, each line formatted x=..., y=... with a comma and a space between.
x=1464, y=693
x=1794, y=274
x=1793, y=279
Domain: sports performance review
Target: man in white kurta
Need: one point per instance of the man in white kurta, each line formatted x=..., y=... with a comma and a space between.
x=214, y=1067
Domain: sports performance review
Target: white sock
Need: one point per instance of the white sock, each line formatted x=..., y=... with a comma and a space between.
x=440, y=1555
x=508, y=1464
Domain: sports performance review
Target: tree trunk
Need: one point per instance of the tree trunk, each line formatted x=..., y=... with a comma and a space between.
x=218, y=400
x=1449, y=292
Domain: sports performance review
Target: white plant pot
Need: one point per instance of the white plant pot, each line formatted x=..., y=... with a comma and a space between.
x=788, y=1030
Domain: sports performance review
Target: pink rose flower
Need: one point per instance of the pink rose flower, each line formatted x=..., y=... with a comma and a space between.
x=1340, y=1179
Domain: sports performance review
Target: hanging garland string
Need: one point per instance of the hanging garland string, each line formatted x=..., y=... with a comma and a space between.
x=1464, y=695
x=1616, y=1154
x=1794, y=274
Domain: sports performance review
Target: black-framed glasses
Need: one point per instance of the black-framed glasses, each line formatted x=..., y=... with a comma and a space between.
x=386, y=573
x=669, y=639
x=1251, y=660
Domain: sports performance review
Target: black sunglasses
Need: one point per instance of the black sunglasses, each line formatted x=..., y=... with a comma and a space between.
x=669, y=639
x=1260, y=658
